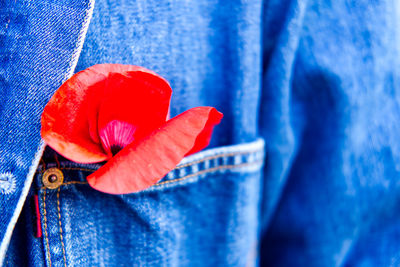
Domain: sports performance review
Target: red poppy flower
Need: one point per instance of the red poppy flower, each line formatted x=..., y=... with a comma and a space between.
x=119, y=113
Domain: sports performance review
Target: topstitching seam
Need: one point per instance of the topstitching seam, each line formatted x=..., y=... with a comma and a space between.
x=217, y=156
x=59, y=224
x=45, y=227
x=223, y=167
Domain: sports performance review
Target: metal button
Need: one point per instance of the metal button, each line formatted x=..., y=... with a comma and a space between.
x=53, y=178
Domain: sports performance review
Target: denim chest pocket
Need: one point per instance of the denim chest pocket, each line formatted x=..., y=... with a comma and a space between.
x=205, y=212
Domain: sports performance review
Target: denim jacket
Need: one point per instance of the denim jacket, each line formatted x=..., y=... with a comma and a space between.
x=40, y=43
x=310, y=84
x=183, y=42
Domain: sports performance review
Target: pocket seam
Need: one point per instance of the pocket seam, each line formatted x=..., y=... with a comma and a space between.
x=210, y=170
x=183, y=165
x=206, y=159
x=60, y=227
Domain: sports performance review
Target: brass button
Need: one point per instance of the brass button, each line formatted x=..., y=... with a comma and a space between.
x=53, y=178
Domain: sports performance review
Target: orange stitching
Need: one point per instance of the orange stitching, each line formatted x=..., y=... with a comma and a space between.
x=77, y=169
x=59, y=223
x=74, y=182
x=209, y=170
x=67, y=183
x=56, y=158
x=45, y=226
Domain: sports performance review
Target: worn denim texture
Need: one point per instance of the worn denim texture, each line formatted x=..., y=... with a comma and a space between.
x=318, y=80
x=203, y=213
x=40, y=43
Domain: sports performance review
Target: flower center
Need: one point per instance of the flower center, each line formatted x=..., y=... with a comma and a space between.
x=116, y=135
x=115, y=149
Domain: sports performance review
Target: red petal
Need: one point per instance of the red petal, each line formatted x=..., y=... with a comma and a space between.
x=137, y=98
x=204, y=137
x=142, y=164
x=72, y=118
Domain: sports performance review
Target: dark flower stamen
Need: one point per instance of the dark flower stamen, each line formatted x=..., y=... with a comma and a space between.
x=115, y=149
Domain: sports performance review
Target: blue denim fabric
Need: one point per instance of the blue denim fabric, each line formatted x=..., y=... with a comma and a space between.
x=183, y=42
x=203, y=213
x=40, y=43
x=317, y=79
x=331, y=117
